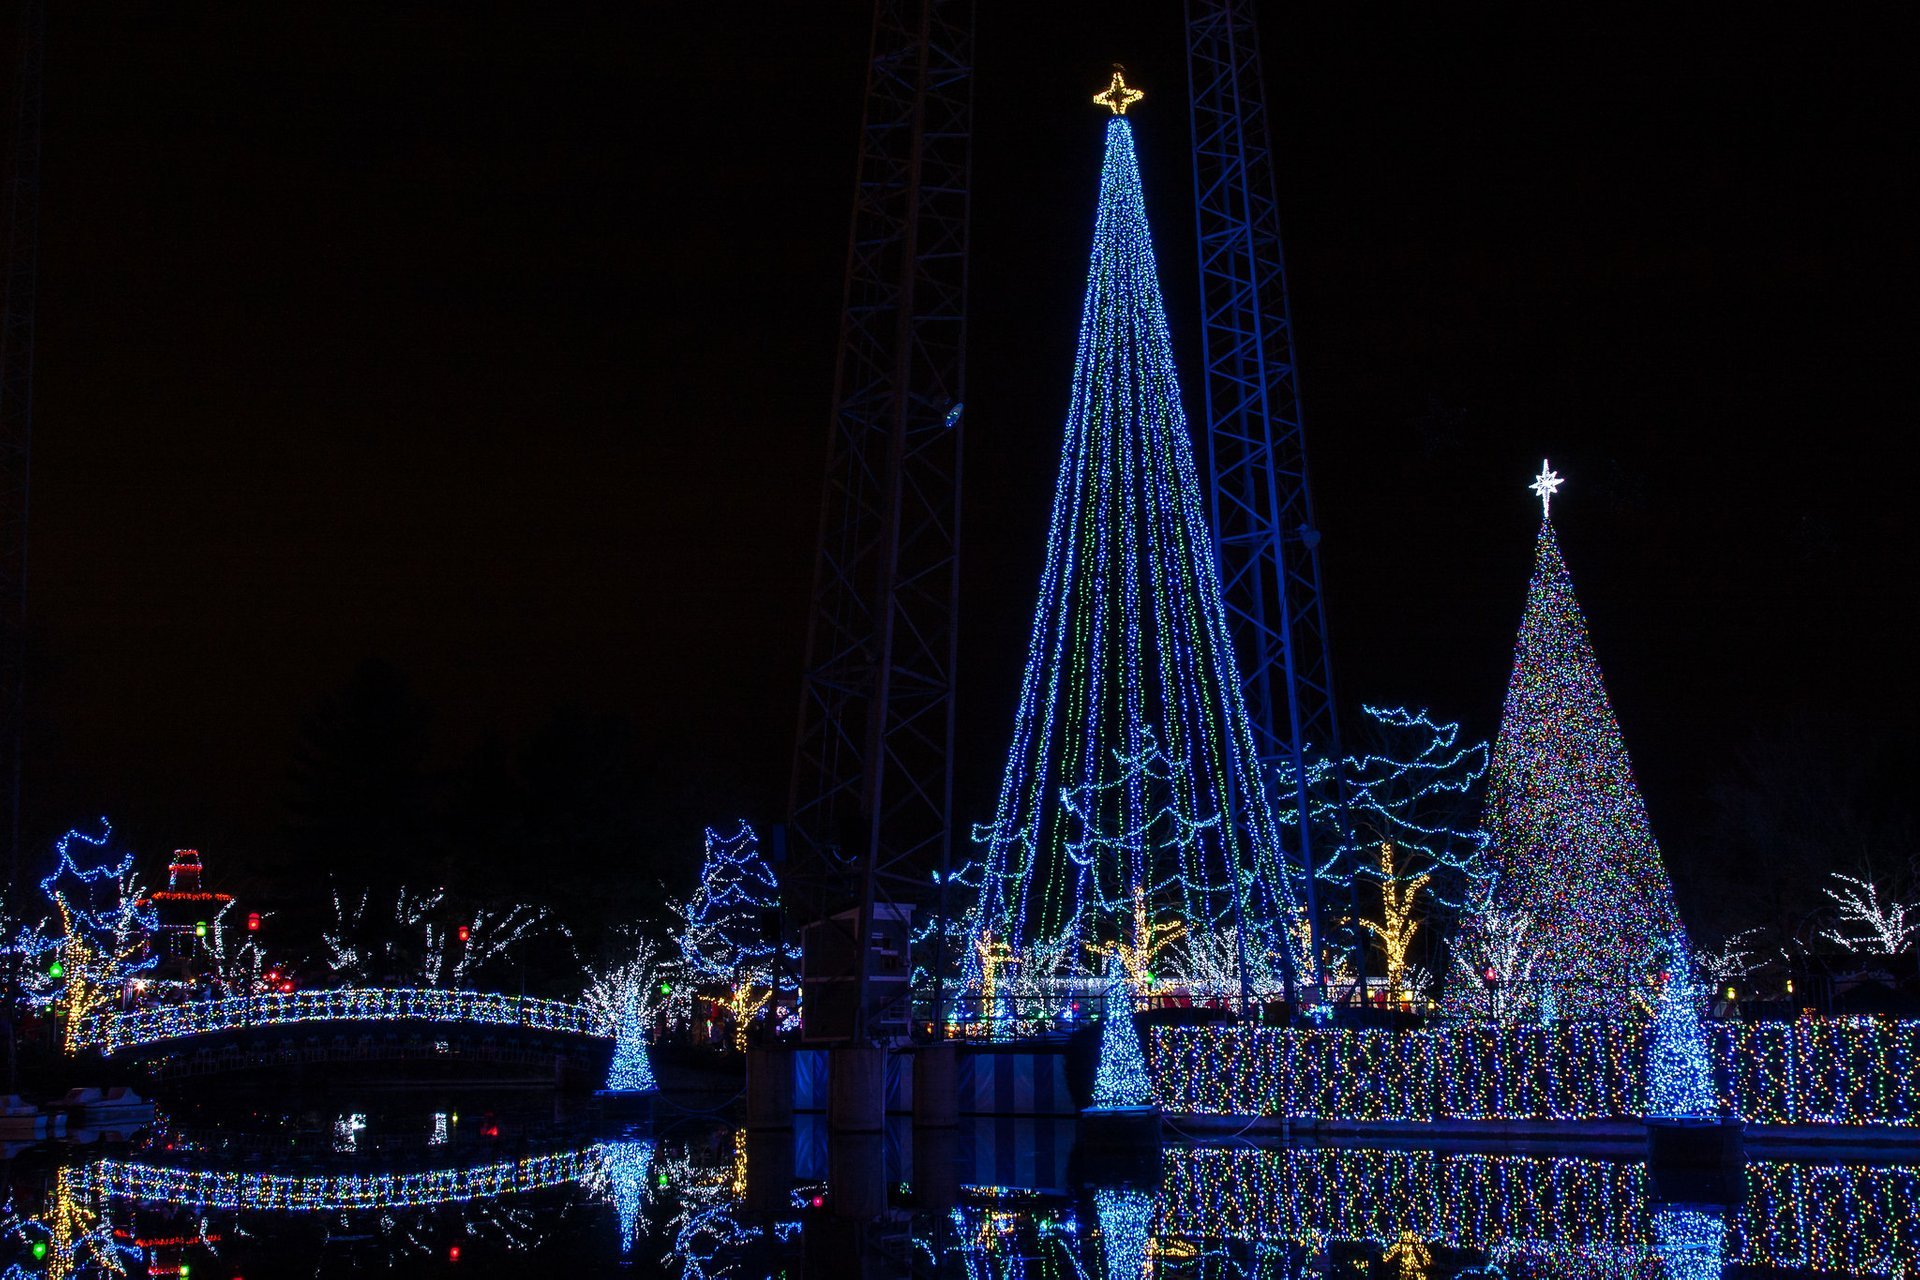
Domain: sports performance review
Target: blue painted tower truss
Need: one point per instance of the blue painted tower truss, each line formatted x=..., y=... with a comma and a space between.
x=1266, y=539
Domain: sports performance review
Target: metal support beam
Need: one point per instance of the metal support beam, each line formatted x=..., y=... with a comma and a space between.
x=870, y=810
x=1265, y=534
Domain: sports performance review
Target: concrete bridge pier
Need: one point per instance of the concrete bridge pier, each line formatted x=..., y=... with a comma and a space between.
x=856, y=1088
x=769, y=1087
x=936, y=1100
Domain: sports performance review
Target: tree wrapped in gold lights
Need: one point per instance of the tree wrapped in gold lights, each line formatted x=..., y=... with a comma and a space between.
x=1397, y=924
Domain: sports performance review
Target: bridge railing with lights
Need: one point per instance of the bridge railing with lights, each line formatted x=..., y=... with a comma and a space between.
x=118, y=1032
x=1808, y=1072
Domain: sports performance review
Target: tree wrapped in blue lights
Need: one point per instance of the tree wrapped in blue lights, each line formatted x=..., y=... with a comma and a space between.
x=80, y=961
x=1679, y=1070
x=729, y=932
x=626, y=999
x=1120, y=1080
x=1130, y=700
x=1567, y=829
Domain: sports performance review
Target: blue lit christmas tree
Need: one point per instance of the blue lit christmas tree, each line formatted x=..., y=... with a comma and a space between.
x=1679, y=1074
x=1567, y=829
x=1120, y=1081
x=1130, y=703
x=632, y=1068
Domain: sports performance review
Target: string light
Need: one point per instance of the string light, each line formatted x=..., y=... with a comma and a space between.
x=1117, y=96
x=1861, y=1071
x=147, y=1027
x=1679, y=1076
x=1120, y=1080
x=1544, y=1215
x=1131, y=743
x=231, y=1189
x=724, y=938
x=1565, y=820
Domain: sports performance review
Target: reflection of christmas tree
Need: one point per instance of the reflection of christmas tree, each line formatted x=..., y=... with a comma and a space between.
x=1126, y=1221
x=1567, y=828
x=1130, y=702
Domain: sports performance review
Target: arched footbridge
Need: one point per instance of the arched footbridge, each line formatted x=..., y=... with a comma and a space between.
x=360, y=1024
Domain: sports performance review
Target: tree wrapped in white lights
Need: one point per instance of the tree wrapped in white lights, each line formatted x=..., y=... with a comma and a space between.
x=729, y=930
x=1866, y=925
x=1493, y=964
x=420, y=940
x=625, y=1000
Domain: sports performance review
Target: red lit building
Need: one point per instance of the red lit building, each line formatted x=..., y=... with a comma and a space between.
x=186, y=913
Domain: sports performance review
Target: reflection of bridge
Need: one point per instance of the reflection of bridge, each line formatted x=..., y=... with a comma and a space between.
x=1579, y=1216
x=299, y=1193
x=358, y=1025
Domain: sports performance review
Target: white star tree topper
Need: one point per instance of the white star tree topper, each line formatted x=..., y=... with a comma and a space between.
x=1546, y=484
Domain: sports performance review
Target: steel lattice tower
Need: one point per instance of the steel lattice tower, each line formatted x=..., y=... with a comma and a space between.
x=16, y=417
x=870, y=810
x=1263, y=525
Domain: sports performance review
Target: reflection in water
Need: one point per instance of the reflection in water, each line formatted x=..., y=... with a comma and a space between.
x=1126, y=1220
x=1689, y=1242
x=698, y=1202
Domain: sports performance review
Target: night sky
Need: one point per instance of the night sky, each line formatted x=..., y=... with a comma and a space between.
x=499, y=345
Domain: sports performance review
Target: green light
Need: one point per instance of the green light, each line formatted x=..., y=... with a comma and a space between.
x=56, y=970
x=39, y=1250
x=666, y=988
x=199, y=931
x=663, y=1179
x=183, y=1266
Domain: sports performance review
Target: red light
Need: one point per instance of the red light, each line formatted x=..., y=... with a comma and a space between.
x=253, y=922
x=1490, y=976
x=1664, y=975
x=286, y=987
x=453, y=1254
x=273, y=975
x=465, y=933
x=818, y=1201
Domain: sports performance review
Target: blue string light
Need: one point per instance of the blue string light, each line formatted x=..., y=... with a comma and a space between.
x=1679, y=1074
x=118, y=1032
x=1857, y=1071
x=631, y=1070
x=1120, y=1080
x=1131, y=738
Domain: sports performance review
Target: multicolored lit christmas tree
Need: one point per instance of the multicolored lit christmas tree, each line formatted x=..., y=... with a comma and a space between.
x=1567, y=829
x=1131, y=796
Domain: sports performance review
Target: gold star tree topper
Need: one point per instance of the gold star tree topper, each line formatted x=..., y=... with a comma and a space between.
x=1118, y=96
